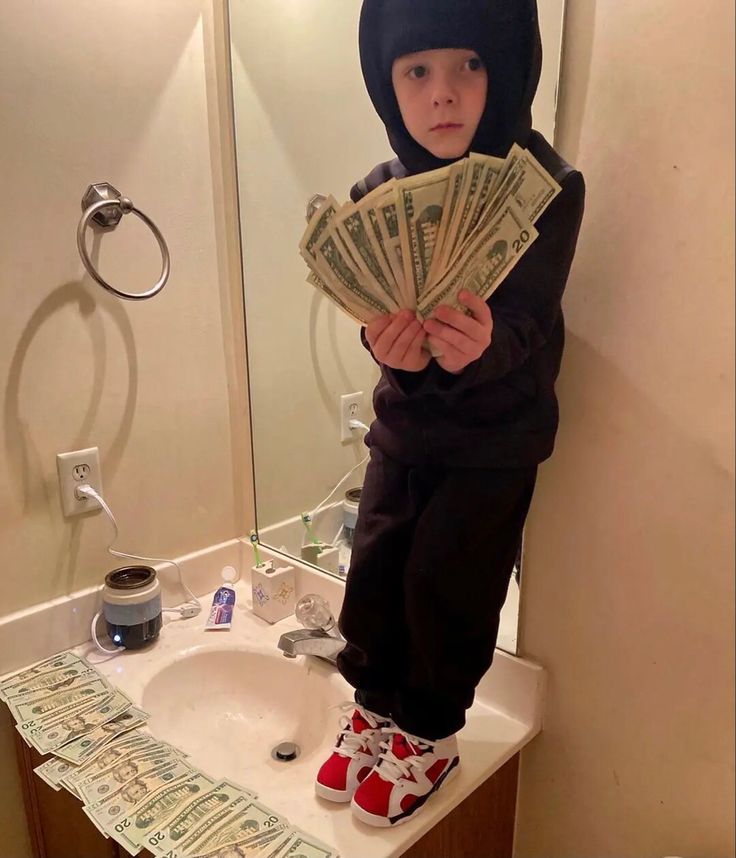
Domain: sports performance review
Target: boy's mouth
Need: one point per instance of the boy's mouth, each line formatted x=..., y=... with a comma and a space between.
x=446, y=126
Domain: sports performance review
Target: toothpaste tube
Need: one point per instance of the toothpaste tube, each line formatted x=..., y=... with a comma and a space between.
x=221, y=612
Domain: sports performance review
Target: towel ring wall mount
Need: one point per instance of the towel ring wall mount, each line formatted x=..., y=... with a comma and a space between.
x=105, y=206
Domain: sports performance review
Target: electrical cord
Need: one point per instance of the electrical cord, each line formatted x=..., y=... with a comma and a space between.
x=353, y=424
x=93, y=631
x=190, y=608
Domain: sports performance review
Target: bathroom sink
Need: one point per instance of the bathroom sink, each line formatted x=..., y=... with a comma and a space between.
x=225, y=704
x=229, y=698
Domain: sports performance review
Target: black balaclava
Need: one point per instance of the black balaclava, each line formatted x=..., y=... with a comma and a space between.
x=504, y=34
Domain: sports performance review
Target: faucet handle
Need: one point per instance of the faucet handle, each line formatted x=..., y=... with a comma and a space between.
x=313, y=612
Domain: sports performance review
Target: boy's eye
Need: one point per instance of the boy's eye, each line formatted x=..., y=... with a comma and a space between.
x=475, y=63
x=417, y=71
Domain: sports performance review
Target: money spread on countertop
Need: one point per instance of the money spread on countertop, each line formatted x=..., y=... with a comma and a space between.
x=137, y=790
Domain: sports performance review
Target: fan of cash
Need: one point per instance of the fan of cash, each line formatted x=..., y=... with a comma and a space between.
x=417, y=242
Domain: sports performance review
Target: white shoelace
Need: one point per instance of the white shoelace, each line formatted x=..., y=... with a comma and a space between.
x=352, y=742
x=392, y=768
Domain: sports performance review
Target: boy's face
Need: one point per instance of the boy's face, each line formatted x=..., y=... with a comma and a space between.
x=444, y=87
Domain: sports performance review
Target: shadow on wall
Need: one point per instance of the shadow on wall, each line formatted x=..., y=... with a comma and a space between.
x=335, y=352
x=25, y=467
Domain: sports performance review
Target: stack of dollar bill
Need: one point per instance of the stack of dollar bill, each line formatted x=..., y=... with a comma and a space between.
x=134, y=788
x=417, y=242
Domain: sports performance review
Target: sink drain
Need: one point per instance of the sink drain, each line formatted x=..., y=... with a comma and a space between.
x=285, y=752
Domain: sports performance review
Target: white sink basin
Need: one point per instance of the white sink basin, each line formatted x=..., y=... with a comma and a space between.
x=229, y=705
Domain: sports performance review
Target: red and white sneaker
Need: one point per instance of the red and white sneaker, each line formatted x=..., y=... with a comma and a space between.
x=353, y=756
x=409, y=770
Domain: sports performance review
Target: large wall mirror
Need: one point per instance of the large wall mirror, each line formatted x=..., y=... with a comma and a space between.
x=305, y=125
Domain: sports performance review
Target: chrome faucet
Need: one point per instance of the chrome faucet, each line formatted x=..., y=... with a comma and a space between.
x=315, y=639
x=311, y=642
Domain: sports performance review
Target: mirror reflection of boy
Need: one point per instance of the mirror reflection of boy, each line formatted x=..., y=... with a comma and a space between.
x=457, y=437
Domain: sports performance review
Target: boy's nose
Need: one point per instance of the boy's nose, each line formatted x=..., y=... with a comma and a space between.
x=444, y=92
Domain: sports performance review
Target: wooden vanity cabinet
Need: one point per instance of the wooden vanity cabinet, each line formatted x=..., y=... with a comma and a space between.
x=57, y=825
x=482, y=826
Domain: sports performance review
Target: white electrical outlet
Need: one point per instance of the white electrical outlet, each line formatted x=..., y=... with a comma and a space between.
x=81, y=468
x=351, y=407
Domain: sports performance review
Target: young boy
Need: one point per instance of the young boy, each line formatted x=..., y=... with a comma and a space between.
x=457, y=437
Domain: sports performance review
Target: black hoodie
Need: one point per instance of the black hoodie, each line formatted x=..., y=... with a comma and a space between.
x=501, y=410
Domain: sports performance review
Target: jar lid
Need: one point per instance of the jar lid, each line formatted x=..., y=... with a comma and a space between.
x=130, y=577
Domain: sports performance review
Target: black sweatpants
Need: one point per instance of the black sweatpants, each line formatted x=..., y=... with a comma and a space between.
x=433, y=552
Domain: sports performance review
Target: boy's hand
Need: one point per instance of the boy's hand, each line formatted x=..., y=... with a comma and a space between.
x=396, y=340
x=460, y=339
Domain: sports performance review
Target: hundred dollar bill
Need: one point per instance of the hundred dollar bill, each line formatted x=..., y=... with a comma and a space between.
x=132, y=831
x=487, y=263
x=56, y=662
x=133, y=765
x=420, y=207
x=42, y=704
x=108, y=755
x=85, y=747
x=176, y=829
x=47, y=683
x=105, y=813
x=251, y=816
x=47, y=737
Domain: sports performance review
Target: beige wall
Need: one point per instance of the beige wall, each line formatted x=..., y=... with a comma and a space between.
x=628, y=591
x=129, y=92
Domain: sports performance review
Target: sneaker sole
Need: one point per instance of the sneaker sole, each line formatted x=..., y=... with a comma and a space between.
x=390, y=822
x=337, y=795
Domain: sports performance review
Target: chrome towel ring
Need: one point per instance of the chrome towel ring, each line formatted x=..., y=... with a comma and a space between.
x=314, y=202
x=105, y=205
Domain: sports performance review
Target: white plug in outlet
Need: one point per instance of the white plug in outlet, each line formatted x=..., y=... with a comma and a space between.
x=351, y=406
x=81, y=468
